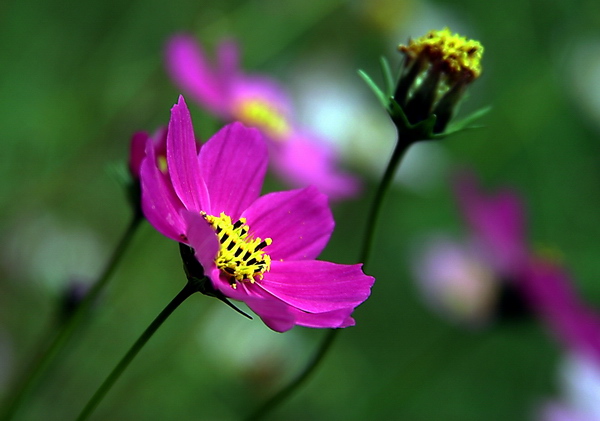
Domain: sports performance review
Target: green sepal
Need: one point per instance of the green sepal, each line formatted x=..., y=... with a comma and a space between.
x=382, y=97
x=466, y=123
x=388, y=79
x=423, y=130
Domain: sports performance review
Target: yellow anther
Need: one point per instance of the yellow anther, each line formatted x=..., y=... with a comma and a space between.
x=263, y=115
x=451, y=53
x=241, y=256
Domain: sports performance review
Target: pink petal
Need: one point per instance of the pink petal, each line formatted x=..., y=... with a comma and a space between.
x=299, y=222
x=245, y=88
x=228, y=61
x=498, y=222
x=160, y=204
x=303, y=160
x=274, y=313
x=317, y=287
x=182, y=159
x=331, y=319
x=233, y=165
x=552, y=294
x=203, y=239
x=187, y=64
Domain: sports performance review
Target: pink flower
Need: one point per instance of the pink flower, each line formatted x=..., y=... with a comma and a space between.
x=299, y=157
x=498, y=223
x=260, y=250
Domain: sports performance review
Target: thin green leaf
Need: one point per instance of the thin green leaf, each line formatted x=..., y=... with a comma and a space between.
x=388, y=79
x=466, y=123
x=380, y=95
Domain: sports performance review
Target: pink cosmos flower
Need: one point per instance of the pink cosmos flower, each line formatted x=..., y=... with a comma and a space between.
x=260, y=250
x=299, y=157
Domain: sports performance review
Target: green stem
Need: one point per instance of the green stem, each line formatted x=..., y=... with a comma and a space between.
x=43, y=362
x=386, y=181
x=189, y=288
x=369, y=235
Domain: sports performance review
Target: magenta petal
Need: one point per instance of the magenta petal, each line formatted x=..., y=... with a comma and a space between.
x=303, y=160
x=182, y=160
x=331, y=319
x=233, y=164
x=160, y=204
x=299, y=222
x=317, y=287
x=202, y=238
x=274, y=313
x=498, y=222
x=551, y=293
x=228, y=61
x=187, y=64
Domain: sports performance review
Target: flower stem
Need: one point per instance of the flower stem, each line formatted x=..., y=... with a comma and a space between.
x=369, y=235
x=43, y=362
x=189, y=288
x=386, y=181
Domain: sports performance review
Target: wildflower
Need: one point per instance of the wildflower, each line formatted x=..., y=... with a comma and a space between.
x=476, y=281
x=299, y=157
x=260, y=250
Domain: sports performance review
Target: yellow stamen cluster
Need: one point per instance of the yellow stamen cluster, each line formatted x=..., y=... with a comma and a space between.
x=454, y=55
x=263, y=115
x=240, y=256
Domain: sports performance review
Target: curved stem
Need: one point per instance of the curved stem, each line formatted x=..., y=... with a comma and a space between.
x=386, y=181
x=41, y=364
x=187, y=290
x=384, y=185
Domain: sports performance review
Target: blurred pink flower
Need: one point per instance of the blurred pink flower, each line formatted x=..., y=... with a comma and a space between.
x=299, y=157
x=260, y=250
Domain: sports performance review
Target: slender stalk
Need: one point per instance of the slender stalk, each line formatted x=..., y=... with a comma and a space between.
x=188, y=289
x=386, y=181
x=369, y=235
x=43, y=361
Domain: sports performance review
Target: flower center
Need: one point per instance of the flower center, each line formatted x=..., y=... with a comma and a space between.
x=265, y=116
x=240, y=255
x=452, y=54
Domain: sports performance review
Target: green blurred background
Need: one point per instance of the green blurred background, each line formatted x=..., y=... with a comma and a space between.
x=77, y=78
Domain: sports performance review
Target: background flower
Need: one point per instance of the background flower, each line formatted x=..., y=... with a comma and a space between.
x=300, y=157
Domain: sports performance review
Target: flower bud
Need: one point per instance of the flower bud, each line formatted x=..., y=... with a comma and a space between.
x=437, y=69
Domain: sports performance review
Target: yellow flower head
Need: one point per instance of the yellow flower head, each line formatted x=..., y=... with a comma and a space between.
x=452, y=54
